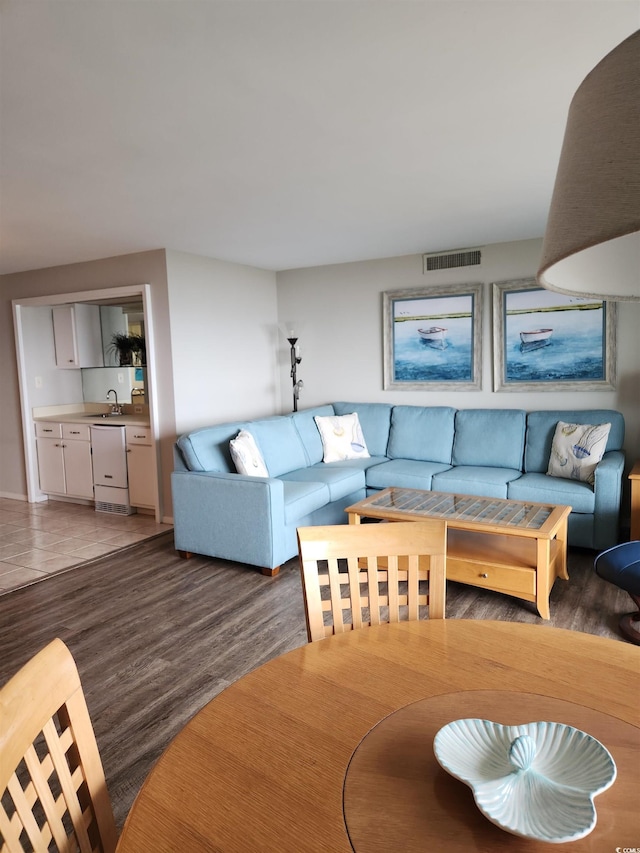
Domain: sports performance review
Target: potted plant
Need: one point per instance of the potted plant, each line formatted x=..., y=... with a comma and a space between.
x=138, y=346
x=121, y=344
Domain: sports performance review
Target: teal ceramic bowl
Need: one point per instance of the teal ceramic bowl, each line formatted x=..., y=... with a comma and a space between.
x=537, y=780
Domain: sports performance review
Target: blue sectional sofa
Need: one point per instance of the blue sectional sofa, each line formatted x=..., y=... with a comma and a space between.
x=501, y=453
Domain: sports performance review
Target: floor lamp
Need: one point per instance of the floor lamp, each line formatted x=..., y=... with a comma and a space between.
x=292, y=336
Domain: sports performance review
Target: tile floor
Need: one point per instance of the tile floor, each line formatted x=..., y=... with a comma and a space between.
x=38, y=539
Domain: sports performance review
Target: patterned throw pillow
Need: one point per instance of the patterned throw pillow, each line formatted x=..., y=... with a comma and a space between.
x=577, y=449
x=246, y=456
x=342, y=437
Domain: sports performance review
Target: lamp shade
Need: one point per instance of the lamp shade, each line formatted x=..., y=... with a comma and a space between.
x=592, y=241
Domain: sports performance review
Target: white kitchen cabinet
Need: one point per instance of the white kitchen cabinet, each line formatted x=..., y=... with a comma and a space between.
x=64, y=459
x=77, y=335
x=50, y=458
x=141, y=465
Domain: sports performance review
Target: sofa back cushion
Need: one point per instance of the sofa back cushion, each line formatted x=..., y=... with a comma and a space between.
x=423, y=433
x=207, y=449
x=277, y=439
x=307, y=430
x=541, y=427
x=375, y=420
x=279, y=443
x=490, y=437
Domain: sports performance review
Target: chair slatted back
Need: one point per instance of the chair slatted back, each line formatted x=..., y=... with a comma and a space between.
x=53, y=794
x=364, y=574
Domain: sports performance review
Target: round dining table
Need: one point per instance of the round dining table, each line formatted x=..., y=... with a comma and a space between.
x=329, y=747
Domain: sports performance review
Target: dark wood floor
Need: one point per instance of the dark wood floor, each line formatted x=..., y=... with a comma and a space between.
x=156, y=637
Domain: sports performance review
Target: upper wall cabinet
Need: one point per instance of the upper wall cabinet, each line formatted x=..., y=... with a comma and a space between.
x=77, y=335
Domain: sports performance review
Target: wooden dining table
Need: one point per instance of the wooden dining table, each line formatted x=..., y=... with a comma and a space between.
x=329, y=747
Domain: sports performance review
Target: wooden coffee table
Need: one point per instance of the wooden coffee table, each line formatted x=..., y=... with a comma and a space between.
x=515, y=547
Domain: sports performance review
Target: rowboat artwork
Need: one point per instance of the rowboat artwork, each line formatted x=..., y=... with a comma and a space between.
x=434, y=336
x=535, y=338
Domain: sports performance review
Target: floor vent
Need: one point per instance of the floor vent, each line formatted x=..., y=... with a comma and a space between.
x=114, y=509
x=451, y=260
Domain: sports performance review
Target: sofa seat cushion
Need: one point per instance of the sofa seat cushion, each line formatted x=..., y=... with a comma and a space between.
x=301, y=499
x=359, y=464
x=339, y=481
x=541, y=488
x=404, y=473
x=475, y=480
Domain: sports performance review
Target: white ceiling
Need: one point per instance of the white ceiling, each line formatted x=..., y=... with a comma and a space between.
x=285, y=134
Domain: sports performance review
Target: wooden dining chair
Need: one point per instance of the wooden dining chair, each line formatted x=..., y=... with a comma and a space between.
x=355, y=575
x=53, y=794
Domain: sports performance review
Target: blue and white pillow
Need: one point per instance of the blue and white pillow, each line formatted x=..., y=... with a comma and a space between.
x=246, y=455
x=576, y=450
x=342, y=437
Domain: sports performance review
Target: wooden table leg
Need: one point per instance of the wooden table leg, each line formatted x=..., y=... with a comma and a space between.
x=354, y=518
x=437, y=588
x=543, y=569
x=561, y=538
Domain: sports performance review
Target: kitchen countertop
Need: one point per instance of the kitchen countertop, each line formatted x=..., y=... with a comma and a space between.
x=94, y=417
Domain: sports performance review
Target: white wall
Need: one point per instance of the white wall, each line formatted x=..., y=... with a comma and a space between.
x=55, y=386
x=223, y=340
x=342, y=345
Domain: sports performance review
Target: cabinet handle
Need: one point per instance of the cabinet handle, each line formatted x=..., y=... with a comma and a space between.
x=74, y=431
x=139, y=436
x=128, y=450
x=47, y=430
x=484, y=575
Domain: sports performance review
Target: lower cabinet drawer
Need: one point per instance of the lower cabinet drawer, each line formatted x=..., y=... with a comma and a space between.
x=46, y=429
x=139, y=435
x=78, y=432
x=488, y=576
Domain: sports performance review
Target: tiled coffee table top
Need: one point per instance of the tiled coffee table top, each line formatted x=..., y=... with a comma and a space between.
x=505, y=513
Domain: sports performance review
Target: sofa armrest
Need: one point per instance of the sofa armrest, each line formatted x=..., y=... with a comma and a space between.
x=607, y=489
x=231, y=516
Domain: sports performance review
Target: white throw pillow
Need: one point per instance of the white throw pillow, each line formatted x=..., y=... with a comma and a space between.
x=246, y=456
x=342, y=437
x=577, y=449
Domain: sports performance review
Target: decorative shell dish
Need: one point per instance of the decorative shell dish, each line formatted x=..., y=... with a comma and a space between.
x=537, y=780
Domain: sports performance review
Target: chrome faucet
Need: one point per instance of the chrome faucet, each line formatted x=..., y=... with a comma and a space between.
x=116, y=408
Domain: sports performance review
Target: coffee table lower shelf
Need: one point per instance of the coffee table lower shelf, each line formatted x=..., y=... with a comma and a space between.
x=503, y=564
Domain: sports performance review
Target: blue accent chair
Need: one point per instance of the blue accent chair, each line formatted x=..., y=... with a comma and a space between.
x=620, y=565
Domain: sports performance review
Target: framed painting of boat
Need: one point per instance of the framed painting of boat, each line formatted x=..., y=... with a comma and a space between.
x=433, y=338
x=545, y=341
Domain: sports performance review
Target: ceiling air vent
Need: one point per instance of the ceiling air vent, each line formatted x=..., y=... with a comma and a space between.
x=451, y=260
